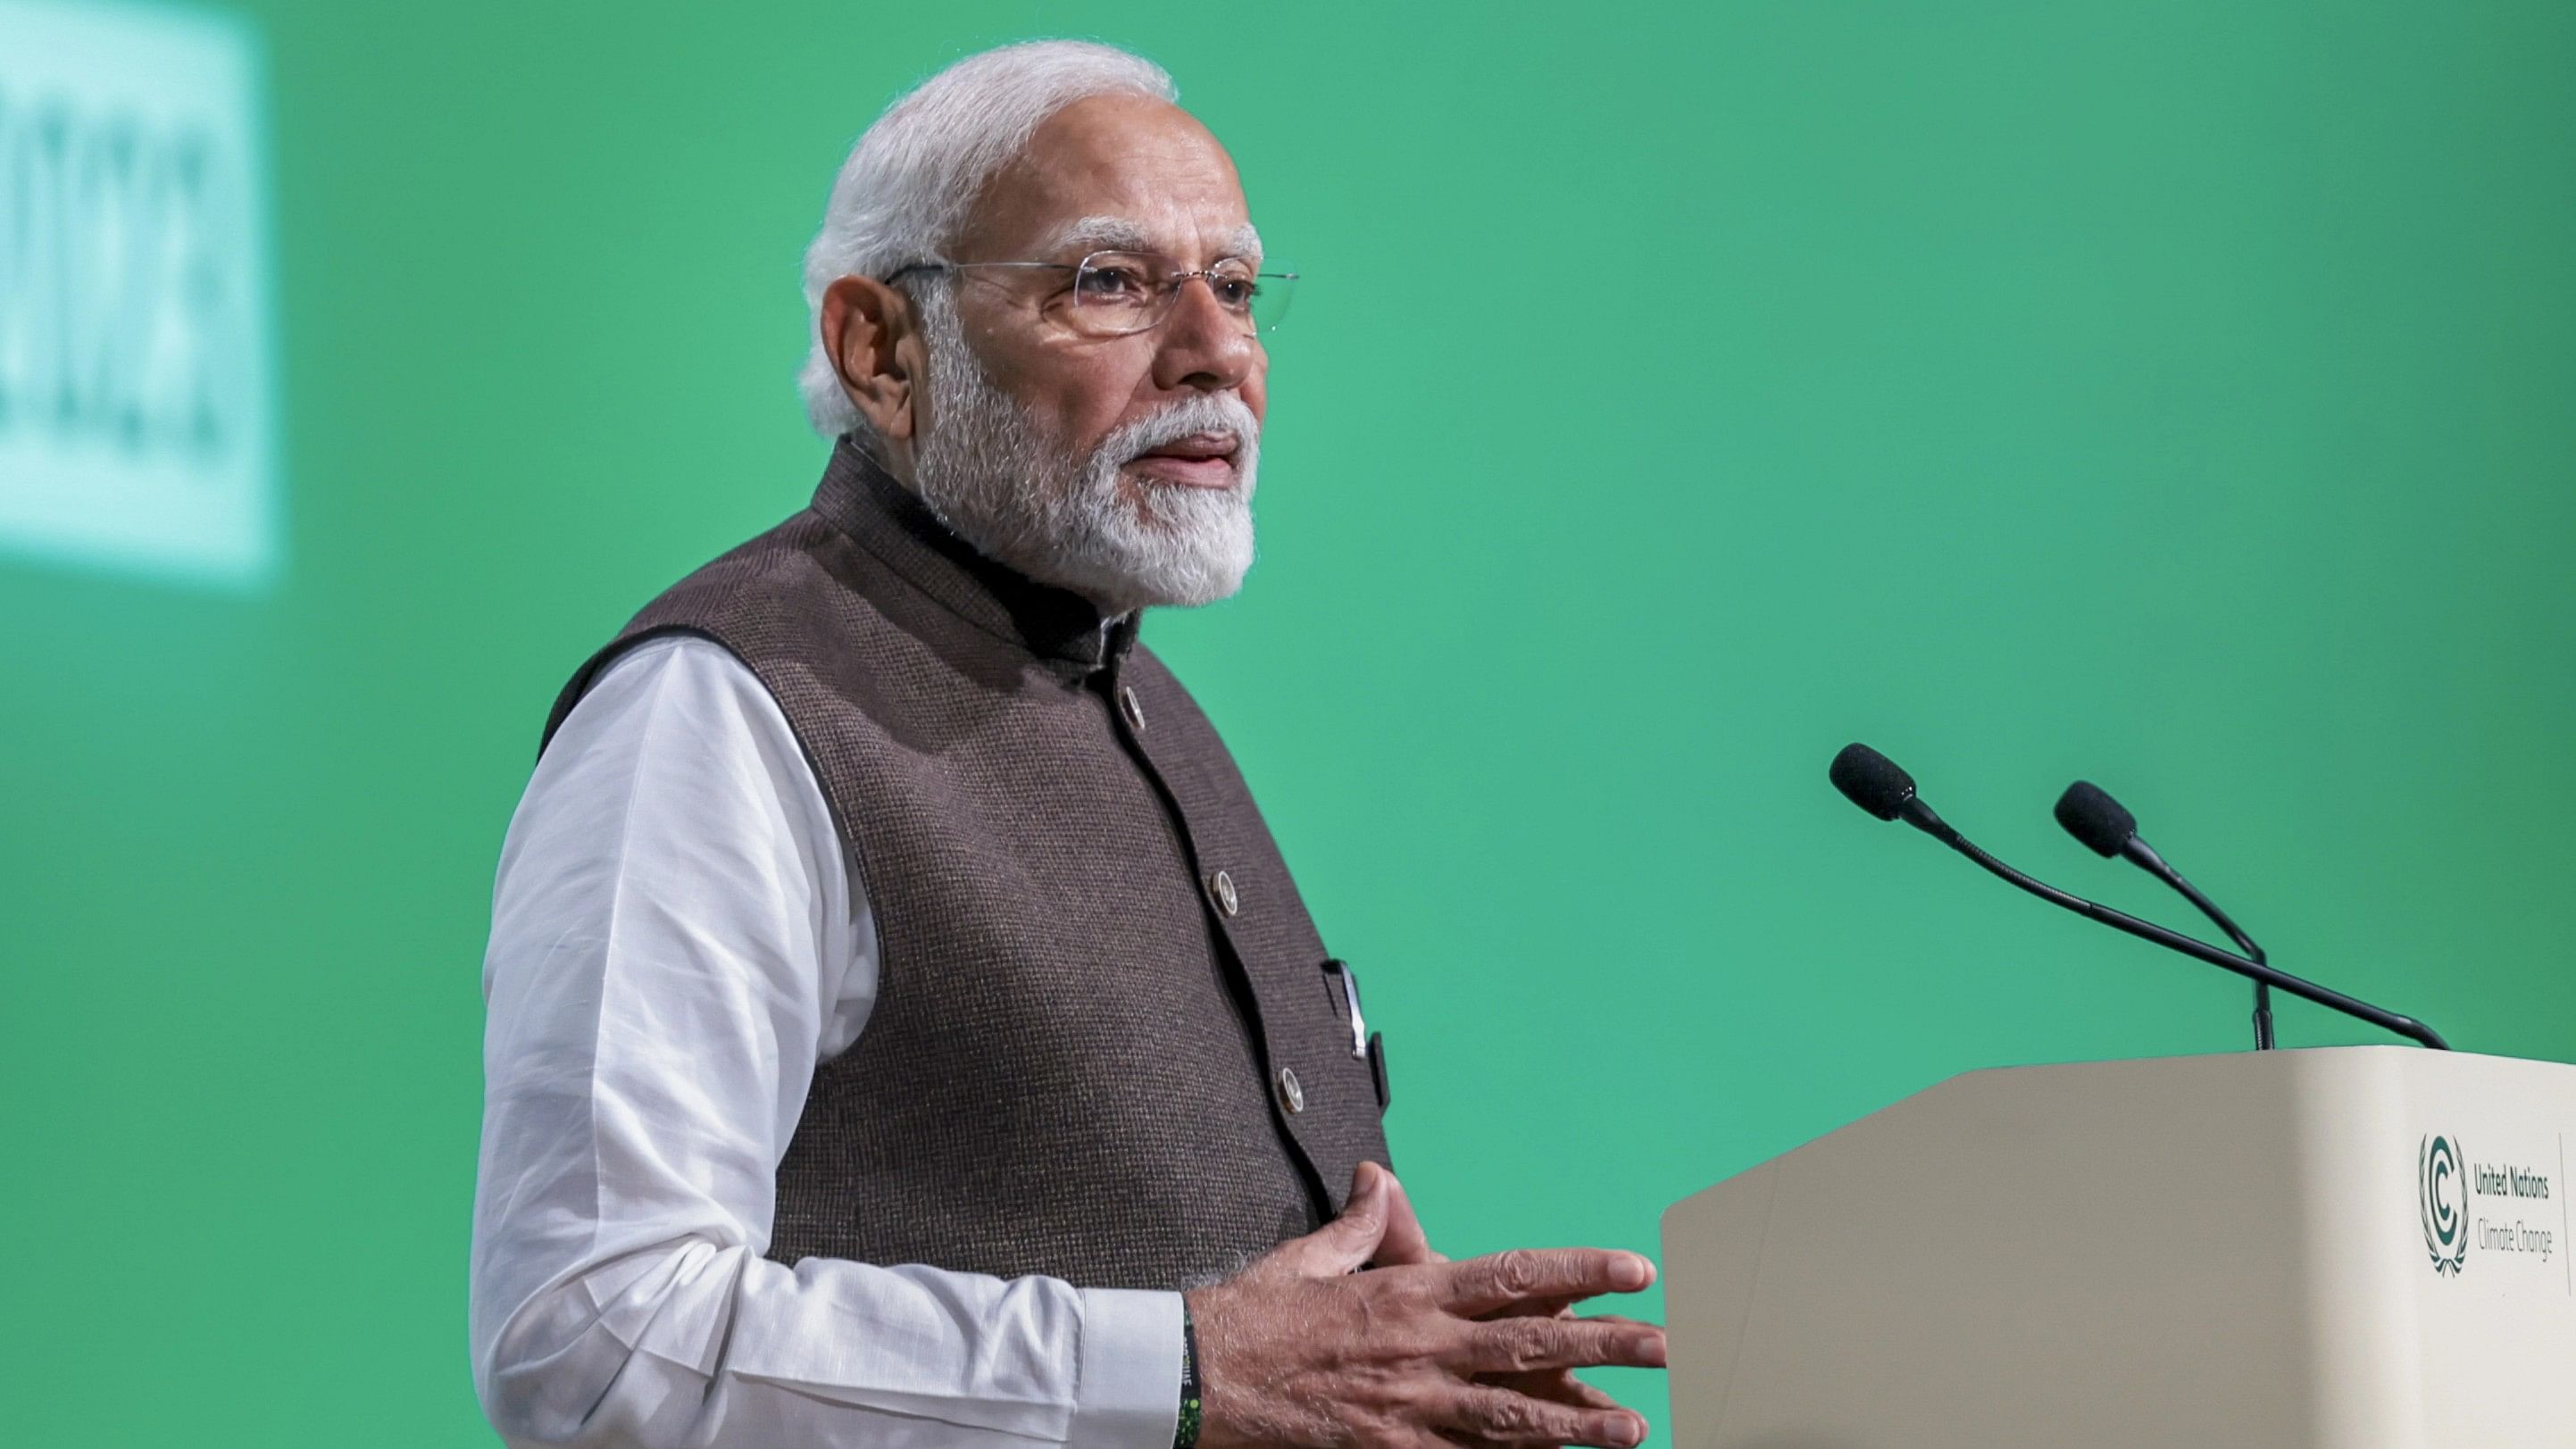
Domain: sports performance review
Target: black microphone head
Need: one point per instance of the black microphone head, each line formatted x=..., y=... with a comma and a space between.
x=2090, y=815
x=1872, y=781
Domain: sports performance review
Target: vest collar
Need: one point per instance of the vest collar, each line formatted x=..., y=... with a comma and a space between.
x=890, y=521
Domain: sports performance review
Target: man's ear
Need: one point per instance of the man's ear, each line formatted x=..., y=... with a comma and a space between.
x=868, y=329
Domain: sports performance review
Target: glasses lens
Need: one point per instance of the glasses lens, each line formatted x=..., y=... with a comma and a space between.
x=1270, y=293
x=1115, y=292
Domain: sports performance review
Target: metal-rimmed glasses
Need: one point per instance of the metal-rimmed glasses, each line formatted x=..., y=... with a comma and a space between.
x=1113, y=294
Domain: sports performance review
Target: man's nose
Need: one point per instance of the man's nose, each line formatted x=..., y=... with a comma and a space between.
x=1203, y=346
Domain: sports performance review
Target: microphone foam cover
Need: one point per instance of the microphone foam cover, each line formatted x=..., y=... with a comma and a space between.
x=2090, y=815
x=1872, y=781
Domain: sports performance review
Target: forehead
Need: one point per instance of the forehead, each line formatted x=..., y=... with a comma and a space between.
x=1139, y=160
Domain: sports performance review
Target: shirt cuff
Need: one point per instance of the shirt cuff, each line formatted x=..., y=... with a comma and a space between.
x=1127, y=1393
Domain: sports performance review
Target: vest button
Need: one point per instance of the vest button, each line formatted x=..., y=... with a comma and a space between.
x=1221, y=886
x=1129, y=706
x=1291, y=1095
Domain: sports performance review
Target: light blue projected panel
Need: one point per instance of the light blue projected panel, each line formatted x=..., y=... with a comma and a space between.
x=135, y=370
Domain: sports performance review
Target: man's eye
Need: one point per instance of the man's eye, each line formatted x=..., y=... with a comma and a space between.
x=1235, y=292
x=1111, y=284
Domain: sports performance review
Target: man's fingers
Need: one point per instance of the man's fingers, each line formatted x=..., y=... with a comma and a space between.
x=1405, y=1244
x=1560, y=1387
x=1519, y=1345
x=1504, y=1417
x=1346, y=1242
x=1575, y=1391
x=1479, y=1286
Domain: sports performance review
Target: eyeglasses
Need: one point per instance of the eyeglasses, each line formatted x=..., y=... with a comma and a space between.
x=1113, y=294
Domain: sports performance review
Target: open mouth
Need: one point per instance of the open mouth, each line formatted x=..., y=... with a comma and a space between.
x=1201, y=460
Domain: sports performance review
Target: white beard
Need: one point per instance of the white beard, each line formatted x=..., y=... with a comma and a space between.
x=989, y=472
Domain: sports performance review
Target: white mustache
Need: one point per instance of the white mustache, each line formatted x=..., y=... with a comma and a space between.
x=1215, y=412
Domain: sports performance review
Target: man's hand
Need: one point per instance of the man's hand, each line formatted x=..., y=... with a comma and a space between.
x=1301, y=1349
x=1405, y=1242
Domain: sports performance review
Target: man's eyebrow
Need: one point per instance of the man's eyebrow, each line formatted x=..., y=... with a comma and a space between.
x=1097, y=234
x=1123, y=234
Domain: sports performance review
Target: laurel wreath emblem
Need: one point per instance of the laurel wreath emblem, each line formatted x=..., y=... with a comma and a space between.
x=2443, y=1200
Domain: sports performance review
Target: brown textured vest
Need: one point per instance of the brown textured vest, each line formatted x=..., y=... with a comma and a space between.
x=1106, y=1045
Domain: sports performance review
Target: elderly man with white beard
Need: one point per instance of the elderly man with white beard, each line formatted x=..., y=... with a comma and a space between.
x=902, y=1030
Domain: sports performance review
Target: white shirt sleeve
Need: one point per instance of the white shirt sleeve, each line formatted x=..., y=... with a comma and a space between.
x=677, y=940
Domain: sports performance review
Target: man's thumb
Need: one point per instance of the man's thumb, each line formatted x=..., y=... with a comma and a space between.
x=1349, y=1241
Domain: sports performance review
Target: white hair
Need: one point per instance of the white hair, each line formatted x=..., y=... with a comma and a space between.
x=913, y=175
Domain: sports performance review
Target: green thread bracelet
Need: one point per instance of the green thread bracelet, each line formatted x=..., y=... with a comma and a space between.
x=1185, y=1433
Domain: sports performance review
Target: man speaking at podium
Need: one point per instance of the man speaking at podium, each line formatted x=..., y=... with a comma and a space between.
x=902, y=1029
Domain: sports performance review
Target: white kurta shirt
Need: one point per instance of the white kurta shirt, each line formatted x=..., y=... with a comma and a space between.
x=677, y=940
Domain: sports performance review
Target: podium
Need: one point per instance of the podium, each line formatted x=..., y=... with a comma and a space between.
x=2322, y=1249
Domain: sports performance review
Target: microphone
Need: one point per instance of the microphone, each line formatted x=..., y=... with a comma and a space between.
x=1878, y=785
x=2090, y=815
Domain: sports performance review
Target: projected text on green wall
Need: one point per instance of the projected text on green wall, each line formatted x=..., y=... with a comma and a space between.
x=135, y=408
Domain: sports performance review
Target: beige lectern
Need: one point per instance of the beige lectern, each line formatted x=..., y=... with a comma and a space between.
x=2328, y=1249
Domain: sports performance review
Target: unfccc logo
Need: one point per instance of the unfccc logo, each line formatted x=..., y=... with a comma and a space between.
x=2443, y=1197
x=134, y=322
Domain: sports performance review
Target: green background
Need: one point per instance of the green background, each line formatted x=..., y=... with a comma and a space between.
x=2172, y=394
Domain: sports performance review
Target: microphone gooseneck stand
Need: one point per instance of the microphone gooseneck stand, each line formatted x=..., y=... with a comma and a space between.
x=2105, y=827
x=2269, y=975
x=2157, y=867
x=1878, y=785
